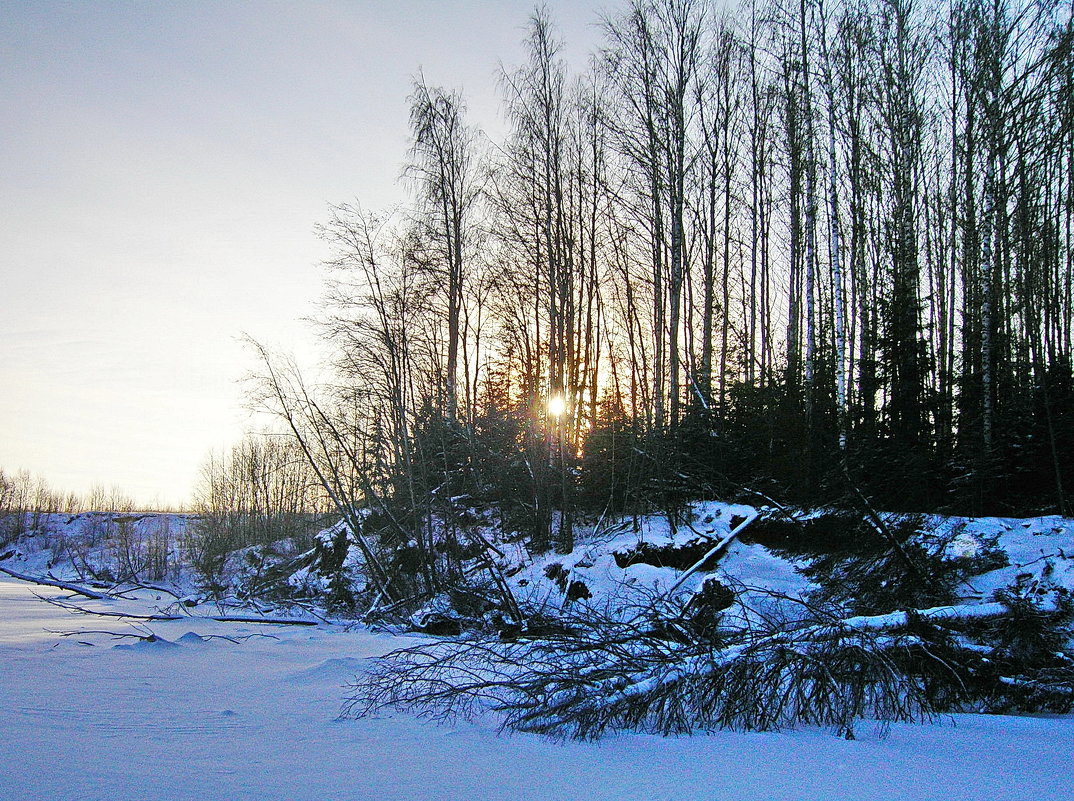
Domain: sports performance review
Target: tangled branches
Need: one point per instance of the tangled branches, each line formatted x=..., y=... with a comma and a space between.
x=768, y=671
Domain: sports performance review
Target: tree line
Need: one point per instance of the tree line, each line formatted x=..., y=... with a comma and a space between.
x=26, y=498
x=808, y=249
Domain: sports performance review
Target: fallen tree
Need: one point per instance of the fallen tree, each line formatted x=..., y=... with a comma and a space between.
x=78, y=589
x=770, y=670
x=43, y=581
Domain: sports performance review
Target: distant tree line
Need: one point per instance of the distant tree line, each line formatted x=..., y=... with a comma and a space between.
x=808, y=249
x=28, y=501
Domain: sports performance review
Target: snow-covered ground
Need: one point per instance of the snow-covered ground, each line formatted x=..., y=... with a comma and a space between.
x=91, y=717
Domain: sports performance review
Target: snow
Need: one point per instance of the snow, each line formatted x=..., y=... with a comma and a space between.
x=209, y=709
x=593, y=562
x=195, y=716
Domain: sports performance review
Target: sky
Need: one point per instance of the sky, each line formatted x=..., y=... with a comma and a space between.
x=162, y=170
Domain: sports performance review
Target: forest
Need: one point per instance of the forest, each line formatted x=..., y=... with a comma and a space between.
x=813, y=258
x=804, y=251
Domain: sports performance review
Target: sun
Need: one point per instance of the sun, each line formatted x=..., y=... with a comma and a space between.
x=556, y=405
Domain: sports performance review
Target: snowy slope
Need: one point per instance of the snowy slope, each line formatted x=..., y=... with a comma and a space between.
x=1036, y=552
x=594, y=561
x=72, y=545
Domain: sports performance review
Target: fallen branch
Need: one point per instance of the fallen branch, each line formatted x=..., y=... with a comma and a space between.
x=63, y=585
x=155, y=588
x=282, y=621
x=936, y=614
x=146, y=636
x=719, y=546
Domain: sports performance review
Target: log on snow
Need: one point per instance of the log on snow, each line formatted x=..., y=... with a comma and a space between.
x=63, y=585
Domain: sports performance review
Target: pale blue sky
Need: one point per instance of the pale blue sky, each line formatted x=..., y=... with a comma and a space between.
x=162, y=167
